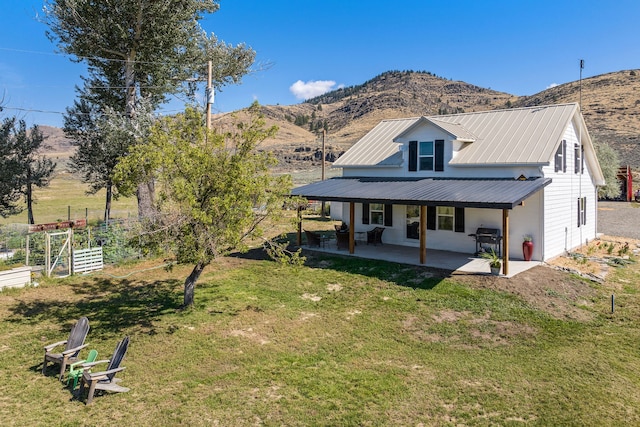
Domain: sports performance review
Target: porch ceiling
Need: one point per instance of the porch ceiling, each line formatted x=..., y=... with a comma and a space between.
x=478, y=193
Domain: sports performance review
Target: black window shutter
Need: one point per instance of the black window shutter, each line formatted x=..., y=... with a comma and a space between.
x=564, y=155
x=431, y=217
x=579, y=213
x=459, y=220
x=365, y=213
x=439, y=153
x=413, y=156
x=388, y=215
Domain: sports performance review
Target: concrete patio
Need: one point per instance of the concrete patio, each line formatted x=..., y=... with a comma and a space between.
x=446, y=260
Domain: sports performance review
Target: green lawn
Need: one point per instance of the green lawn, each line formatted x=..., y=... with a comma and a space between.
x=66, y=196
x=337, y=342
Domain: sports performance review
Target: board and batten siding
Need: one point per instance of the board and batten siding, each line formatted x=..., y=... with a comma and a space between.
x=561, y=231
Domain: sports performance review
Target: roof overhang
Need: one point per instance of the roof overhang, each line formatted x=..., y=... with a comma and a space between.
x=468, y=193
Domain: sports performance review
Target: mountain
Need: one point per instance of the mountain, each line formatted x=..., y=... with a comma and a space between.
x=57, y=145
x=610, y=104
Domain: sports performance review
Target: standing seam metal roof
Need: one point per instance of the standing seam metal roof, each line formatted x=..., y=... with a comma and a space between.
x=526, y=136
x=480, y=193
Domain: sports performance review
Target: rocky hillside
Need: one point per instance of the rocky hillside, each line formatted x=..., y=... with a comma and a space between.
x=610, y=104
x=611, y=109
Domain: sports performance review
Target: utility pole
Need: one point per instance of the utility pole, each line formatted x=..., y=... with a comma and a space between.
x=581, y=67
x=324, y=134
x=210, y=95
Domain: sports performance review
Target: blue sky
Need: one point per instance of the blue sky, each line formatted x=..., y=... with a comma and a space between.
x=517, y=46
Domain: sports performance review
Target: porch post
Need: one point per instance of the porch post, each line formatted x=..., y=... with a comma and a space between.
x=505, y=241
x=299, y=236
x=423, y=234
x=352, y=218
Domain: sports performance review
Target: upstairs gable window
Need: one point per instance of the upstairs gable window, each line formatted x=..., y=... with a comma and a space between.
x=426, y=155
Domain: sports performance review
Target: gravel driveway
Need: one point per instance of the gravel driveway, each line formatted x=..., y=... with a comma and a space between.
x=619, y=219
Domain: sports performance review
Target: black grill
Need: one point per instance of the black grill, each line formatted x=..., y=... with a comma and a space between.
x=487, y=237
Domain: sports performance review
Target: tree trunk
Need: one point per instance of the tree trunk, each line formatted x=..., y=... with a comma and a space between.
x=146, y=195
x=107, y=206
x=190, y=284
x=30, y=204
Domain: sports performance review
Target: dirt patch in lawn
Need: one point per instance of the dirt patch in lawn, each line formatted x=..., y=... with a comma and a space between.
x=556, y=292
x=565, y=287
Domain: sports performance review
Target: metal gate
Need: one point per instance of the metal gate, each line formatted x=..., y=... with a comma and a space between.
x=60, y=244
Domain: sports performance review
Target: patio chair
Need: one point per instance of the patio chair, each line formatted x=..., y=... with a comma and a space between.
x=313, y=239
x=342, y=240
x=342, y=228
x=104, y=380
x=72, y=347
x=375, y=236
x=75, y=372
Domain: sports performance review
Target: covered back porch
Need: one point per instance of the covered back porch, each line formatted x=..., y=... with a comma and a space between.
x=445, y=260
x=501, y=194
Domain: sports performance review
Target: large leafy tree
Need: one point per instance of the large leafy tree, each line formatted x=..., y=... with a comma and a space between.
x=215, y=189
x=141, y=49
x=22, y=167
x=609, y=163
x=101, y=139
x=35, y=170
x=9, y=170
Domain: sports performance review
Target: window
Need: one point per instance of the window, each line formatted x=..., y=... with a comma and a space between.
x=582, y=211
x=561, y=157
x=426, y=155
x=577, y=155
x=413, y=222
x=377, y=213
x=445, y=218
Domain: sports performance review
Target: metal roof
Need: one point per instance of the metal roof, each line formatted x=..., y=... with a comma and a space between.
x=514, y=136
x=480, y=193
x=517, y=136
x=377, y=146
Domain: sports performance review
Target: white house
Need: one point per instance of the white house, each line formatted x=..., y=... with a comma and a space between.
x=431, y=182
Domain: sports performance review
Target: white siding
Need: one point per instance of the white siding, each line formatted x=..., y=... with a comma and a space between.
x=526, y=220
x=549, y=216
x=561, y=231
x=432, y=133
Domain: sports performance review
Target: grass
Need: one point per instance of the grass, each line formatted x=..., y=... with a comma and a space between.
x=66, y=196
x=335, y=342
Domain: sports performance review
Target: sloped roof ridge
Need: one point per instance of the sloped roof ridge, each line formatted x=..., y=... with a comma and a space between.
x=463, y=127
x=398, y=119
x=534, y=107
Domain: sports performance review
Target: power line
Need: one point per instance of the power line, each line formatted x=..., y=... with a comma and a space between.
x=88, y=58
x=33, y=110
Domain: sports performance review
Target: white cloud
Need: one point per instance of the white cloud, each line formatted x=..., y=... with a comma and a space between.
x=307, y=90
x=552, y=85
